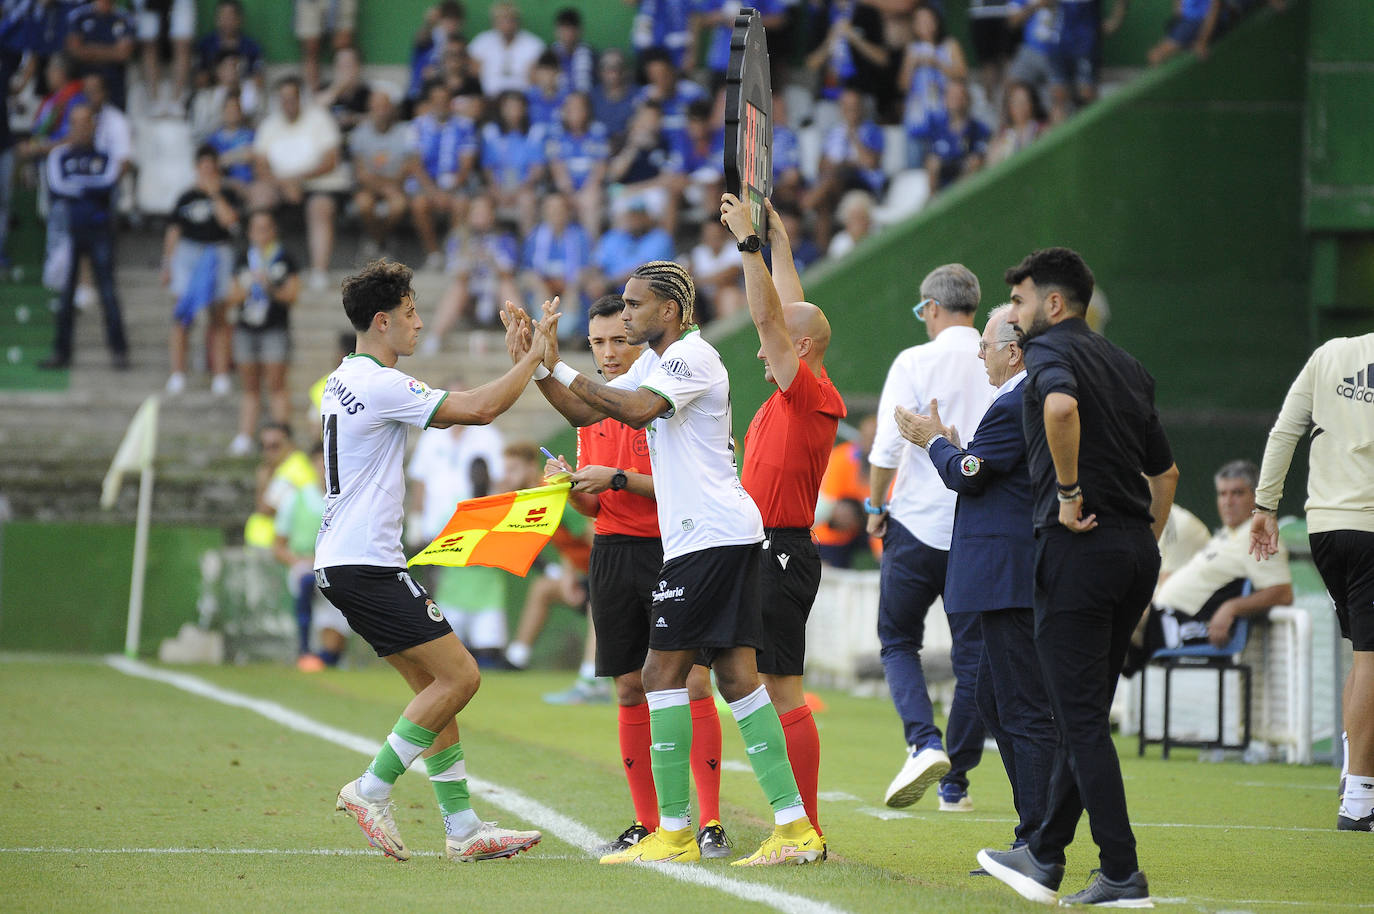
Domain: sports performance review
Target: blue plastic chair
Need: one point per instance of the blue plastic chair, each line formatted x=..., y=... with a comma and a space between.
x=1202, y=656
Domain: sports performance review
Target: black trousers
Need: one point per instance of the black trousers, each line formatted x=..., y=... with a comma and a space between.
x=96, y=242
x=1090, y=590
x=1016, y=710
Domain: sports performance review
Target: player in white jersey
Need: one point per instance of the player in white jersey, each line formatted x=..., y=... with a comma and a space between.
x=707, y=598
x=360, y=568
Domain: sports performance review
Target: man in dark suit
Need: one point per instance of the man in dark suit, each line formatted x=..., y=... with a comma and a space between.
x=992, y=564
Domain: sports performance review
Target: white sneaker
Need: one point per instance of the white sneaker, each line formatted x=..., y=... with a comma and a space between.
x=241, y=446
x=920, y=771
x=319, y=280
x=221, y=385
x=376, y=821
x=176, y=384
x=490, y=843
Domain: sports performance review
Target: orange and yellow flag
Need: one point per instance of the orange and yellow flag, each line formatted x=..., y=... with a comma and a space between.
x=507, y=530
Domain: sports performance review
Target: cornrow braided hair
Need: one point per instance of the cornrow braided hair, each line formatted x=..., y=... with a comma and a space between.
x=670, y=280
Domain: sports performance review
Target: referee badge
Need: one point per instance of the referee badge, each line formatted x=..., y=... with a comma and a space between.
x=434, y=613
x=970, y=465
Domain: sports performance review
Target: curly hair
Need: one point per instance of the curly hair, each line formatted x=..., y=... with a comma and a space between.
x=1059, y=268
x=670, y=281
x=381, y=286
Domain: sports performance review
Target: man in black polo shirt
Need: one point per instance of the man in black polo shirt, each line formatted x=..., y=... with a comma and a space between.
x=1103, y=478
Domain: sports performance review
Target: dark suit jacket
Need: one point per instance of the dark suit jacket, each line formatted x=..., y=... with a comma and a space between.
x=992, y=554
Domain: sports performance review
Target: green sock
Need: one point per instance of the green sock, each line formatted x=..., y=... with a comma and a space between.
x=403, y=746
x=449, y=778
x=767, y=749
x=670, y=729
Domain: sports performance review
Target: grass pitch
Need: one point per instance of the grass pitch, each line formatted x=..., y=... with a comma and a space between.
x=125, y=794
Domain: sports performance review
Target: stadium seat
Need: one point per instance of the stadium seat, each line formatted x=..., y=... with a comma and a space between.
x=163, y=149
x=906, y=195
x=1199, y=657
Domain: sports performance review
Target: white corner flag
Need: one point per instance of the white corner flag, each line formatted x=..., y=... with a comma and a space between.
x=136, y=452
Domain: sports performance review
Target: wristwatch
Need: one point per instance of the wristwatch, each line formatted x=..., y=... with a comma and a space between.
x=870, y=508
x=619, y=481
x=750, y=245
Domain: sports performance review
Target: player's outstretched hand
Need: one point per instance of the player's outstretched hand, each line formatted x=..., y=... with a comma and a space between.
x=777, y=232
x=548, y=332
x=519, y=337
x=734, y=215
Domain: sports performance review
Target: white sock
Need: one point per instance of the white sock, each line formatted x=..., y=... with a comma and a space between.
x=673, y=823
x=587, y=670
x=461, y=824
x=1358, y=801
x=1345, y=760
x=373, y=787
x=518, y=654
x=789, y=814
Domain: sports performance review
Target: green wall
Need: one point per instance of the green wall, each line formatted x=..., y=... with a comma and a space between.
x=65, y=587
x=1182, y=192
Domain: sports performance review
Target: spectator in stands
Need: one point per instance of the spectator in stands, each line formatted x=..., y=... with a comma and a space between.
x=198, y=269
x=841, y=526
x=993, y=41
x=555, y=254
x=482, y=259
x=666, y=24
x=788, y=183
x=175, y=22
x=1200, y=602
x=233, y=140
x=31, y=34
x=851, y=50
x=673, y=93
x=701, y=156
x=856, y=215
x=444, y=151
x=442, y=21
x=296, y=161
x=100, y=38
x=459, y=72
x=265, y=287
x=545, y=95
x=81, y=179
x=647, y=167
x=228, y=37
x=718, y=273
x=632, y=241
x=578, y=150
x=50, y=120
x=347, y=97
x=576, y=59
x=207, y=102
x=513, y=159
x=112, y=133
x=613, y=99
x=717, y=18
x=956, y=142
x=380, y=148
x=1034, y=63
x=932, y=61
x=1192, y=27
x=1022, y=122
x=1080, y=40
x=505, y=52
x=851, y=159
x=313, y=19
x=804, y=249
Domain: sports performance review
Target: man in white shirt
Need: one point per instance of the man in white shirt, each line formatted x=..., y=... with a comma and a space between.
x=1333, y=397
x=707, y=601
x=359, y=566
x=296, y=162
x=505, y=52
x=916, y=526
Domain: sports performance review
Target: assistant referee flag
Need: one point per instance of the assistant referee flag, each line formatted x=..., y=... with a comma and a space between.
x=507, y=530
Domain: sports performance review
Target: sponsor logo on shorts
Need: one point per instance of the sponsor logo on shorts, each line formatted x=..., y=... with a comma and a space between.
x=970, y=465
x=665, y=592
x=418, y=388
x=660, y=623
x=434, y=612
x=756, y=748
x=321, y=581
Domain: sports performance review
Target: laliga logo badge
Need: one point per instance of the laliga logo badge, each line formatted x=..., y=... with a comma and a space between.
x=970, y=465
x=433, y=611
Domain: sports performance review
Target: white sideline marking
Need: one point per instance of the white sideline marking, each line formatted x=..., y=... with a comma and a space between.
x=549, y=820
x=837, y=796
x=889, y=814
x=234, y=852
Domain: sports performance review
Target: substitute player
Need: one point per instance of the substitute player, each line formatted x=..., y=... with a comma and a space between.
x=707, y=597
x=614, y=484
x=360, y=568
x=786, y=451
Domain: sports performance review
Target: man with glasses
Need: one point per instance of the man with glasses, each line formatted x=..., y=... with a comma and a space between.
x=916, y=525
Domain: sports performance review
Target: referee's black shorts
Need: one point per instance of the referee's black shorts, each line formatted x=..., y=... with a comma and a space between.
x=789, y=576
x=623, y=572
x=708, y=601
x=386, y=606
x=1345, y=560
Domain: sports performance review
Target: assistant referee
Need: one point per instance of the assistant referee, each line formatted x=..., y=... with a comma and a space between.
x=1103, y=479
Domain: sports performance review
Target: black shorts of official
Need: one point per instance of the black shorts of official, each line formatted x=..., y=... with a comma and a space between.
x=708, y=601
x=386, y=606
x=789, y=576
x=624, y=571
x=1345, y=560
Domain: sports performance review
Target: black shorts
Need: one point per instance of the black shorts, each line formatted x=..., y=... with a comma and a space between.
x=385, y=605
x=1345, y=560
x=789, y=576
x=624, y=571
x=708, y=601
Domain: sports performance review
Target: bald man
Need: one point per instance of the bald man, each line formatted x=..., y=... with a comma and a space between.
x=785, y=454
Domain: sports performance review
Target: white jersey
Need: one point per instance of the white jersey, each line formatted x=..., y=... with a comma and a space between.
x=701, y=503
x=365, y=410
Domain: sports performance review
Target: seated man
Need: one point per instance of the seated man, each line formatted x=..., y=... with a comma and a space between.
x=1199, y=602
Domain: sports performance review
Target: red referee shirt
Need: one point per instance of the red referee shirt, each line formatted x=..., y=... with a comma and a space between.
x=612, y=443
x=788, y=446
